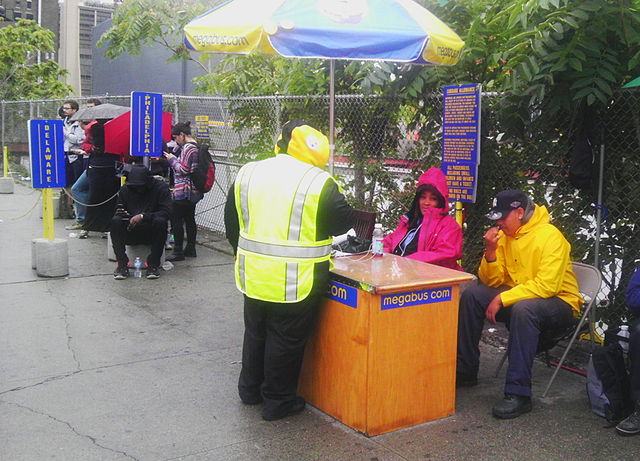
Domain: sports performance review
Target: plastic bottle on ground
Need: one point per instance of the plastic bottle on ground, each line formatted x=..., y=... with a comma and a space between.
x=376, y=241
x=137, y=267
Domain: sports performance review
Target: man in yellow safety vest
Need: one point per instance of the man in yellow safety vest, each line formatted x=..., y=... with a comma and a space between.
x=280, y=215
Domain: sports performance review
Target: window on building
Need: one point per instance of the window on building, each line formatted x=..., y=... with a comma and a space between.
x=17, y=15
x=29, y=4
x=29, y=15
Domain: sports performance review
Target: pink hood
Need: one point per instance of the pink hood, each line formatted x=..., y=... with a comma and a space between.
x=436, y=178
x=440, y=236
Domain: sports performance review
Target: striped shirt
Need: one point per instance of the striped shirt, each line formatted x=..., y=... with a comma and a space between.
x=183, y=166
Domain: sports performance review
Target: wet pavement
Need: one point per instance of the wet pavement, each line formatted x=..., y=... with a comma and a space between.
x=97, y=369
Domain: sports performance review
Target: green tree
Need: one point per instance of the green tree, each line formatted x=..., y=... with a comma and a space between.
x=137, y=23
x=21, y=76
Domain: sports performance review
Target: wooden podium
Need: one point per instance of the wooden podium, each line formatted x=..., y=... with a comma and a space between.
x=383, y=354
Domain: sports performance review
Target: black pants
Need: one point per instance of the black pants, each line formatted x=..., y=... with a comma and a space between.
x=634, y=359
x=525, y=320
x=154, y=233
x=274, y=340
x=183, y=213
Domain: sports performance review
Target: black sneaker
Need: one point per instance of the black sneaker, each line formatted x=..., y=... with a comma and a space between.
x=175, y=257
x=190, y=252
x=121, y=272
x=512, y=406
x=293, y=407
x=631, y=425
x=153, y=272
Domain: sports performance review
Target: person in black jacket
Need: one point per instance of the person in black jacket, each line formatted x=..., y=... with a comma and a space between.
x=142, y=216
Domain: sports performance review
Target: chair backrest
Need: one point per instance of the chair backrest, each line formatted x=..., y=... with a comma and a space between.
x=589, y=281
x=364, y=223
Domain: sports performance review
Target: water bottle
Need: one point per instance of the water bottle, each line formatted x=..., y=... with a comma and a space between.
x=137, y=267
x=376, y=241
x=623, y=338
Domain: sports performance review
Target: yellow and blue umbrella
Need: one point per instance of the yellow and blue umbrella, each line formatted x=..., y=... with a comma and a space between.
x=385, y=30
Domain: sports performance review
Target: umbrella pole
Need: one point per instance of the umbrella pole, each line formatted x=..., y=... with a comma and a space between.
x=332, y=121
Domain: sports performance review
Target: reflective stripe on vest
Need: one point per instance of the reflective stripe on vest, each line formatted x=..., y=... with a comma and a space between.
x=284, y=251
x=277, y=250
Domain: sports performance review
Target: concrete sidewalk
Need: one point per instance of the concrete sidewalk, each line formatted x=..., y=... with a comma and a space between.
x=97, y=369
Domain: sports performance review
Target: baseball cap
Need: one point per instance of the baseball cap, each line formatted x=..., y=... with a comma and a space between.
x=507, y=201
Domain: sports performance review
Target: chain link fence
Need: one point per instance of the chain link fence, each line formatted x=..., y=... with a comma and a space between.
x=382, y=146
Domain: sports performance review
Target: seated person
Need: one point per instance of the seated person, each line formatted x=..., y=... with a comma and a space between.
x=142, y=215
x=631, y=425
x=527, y=283
x=427, y=232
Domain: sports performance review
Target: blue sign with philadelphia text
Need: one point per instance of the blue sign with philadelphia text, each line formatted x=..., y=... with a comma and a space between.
x=46, y=147
x=414, y=298
x=146, y=124
x=343, y=294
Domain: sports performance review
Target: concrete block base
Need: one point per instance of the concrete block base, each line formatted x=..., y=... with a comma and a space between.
x=51, y=257
x=132, y=251
x=6, y=185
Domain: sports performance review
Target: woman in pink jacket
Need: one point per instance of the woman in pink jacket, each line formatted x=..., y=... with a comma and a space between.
x=427, y=232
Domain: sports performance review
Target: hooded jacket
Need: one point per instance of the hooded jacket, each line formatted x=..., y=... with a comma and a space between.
x=440, y=236
x=535, y=263
x=633, y=293
x=153, y=200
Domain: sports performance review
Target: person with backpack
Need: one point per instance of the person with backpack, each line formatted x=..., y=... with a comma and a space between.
x=185, y=195
x=631, y=425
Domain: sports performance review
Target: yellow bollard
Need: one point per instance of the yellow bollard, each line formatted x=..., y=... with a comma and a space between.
x=5, y=161
x=459, y=215
x=47, y=214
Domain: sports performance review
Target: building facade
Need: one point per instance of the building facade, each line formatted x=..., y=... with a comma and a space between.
x=44, y=12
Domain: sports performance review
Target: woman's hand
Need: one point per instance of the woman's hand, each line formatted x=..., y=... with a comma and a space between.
x=168, y=156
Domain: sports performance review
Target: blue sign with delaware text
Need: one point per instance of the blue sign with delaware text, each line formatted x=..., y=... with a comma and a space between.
x=343, y=294
x=146, y=124
x=46, y=148
x=414, y=298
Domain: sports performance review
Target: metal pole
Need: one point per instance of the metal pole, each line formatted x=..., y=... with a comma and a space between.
x=596, y=257
x=332, y=122
x=175, y=109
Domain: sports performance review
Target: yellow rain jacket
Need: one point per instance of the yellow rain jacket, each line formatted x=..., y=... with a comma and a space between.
x=535, y=263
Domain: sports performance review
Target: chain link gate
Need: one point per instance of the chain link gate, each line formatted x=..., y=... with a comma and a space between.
x=383, y=146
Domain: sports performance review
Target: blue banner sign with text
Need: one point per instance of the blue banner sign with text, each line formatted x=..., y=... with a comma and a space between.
x=46, y=148
x=343, y=294
x=414, y=298
x=146, y=124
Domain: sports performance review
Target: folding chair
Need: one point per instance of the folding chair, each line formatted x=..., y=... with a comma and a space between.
x=364, y=223
x=589, y=280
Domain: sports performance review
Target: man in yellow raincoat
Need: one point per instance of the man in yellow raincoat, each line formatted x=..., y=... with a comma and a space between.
x=280, y=215
x=527, y=283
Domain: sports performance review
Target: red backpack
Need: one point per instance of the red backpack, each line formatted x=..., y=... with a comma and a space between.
x=205, y=173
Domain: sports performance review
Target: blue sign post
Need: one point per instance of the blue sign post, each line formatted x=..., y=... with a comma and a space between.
x=146, y=124
x=46, y=148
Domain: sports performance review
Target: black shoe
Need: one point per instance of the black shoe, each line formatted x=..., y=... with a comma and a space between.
x=293, y=407
x=512, y=406
x=631, y=425
x=465, y=380
x=251, y=400
x=153, y=272
x=175, y=257
x=121, y=272
x=190, y=252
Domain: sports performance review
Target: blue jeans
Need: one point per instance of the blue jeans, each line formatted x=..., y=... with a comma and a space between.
x=525, y=320
x=80, y=191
